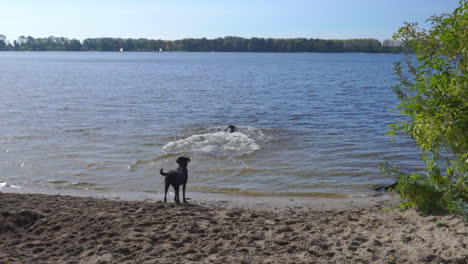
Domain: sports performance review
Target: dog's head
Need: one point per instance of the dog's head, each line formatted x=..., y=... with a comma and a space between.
x=232, y=128
x=183, y=161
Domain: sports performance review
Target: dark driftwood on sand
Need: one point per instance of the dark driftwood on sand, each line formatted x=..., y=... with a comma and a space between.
x=387, y=187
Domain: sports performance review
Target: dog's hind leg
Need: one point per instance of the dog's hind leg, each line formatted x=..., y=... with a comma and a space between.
x=166, y=188
x=176, y=197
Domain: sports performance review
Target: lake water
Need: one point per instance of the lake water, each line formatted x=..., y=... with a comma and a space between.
x=308, y=124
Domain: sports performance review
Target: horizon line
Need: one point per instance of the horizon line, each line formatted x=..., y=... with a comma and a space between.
x=226, y=36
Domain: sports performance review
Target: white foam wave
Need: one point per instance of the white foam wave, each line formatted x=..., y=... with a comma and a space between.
x=4, y=184
x=217, y=143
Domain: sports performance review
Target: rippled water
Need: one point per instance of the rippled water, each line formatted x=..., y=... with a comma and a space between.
x=308, y=124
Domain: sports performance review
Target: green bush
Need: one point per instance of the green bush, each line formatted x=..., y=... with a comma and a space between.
x=433, y=90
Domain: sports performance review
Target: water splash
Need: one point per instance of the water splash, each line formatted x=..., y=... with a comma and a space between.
x=217, y=141
x=221, y=144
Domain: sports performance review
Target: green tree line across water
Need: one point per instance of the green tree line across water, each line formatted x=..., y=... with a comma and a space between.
x=226, y=44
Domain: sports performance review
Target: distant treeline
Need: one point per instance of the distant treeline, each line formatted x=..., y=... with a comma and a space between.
x=234, y=44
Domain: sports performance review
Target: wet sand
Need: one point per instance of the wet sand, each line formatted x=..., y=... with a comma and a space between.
x=37, y=228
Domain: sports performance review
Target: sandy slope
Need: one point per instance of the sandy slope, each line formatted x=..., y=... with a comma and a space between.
x=38, y=228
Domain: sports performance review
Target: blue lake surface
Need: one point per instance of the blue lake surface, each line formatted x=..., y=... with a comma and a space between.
x=309, y=124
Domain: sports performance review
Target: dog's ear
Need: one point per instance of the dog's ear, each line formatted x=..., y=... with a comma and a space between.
x=187, y=159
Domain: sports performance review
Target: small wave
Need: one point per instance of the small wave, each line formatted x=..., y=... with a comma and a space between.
x=74, y=131
x=239, y=191
x=216, y=144
x=136, y=164
x=6, y=185
x=57, y=182
x=250, y=171
x=82, y=184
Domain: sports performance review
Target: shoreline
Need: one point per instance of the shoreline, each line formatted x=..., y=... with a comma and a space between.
x=264, y=202
x=39, y=228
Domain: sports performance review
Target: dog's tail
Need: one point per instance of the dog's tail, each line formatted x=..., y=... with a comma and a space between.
x=162, y=172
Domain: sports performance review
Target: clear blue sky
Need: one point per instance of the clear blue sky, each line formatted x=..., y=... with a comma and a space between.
x=176, y=19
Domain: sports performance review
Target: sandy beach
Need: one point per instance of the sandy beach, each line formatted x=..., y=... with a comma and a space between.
x=37, y=228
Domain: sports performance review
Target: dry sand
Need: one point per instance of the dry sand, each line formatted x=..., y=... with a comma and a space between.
x=36, y=228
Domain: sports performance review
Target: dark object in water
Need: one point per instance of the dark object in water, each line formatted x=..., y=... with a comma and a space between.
x=176, y=178
x=232, y=128
x=385, y=188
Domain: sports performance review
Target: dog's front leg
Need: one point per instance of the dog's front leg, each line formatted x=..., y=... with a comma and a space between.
x=183, y=193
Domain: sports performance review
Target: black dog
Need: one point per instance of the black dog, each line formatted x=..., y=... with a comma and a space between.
x=176, y=178
x=232, y=128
